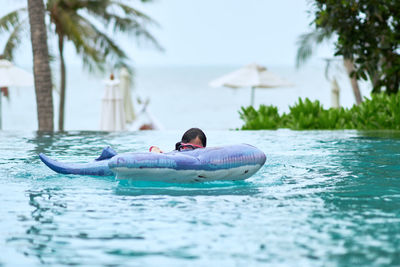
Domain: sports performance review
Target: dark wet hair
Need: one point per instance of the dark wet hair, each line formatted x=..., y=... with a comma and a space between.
x=191, y=134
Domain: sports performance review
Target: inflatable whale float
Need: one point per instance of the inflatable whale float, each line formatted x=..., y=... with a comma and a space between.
x=227, y=163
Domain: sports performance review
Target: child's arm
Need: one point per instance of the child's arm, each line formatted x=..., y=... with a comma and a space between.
x=155, y=149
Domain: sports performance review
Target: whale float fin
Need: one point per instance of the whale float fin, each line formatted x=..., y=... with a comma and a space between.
x=107, y=153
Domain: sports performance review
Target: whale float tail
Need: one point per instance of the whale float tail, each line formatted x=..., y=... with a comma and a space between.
x=96, y=168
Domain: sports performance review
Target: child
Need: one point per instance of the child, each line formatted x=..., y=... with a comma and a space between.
x=191, y=139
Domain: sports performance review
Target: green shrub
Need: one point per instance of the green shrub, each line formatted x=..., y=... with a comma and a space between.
x=306, y=115
x=267, y=117
x=382, y=111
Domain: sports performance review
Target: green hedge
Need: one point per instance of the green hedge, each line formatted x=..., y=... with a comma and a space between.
x=382, y=111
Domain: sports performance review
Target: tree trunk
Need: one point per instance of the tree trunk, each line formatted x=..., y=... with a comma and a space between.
x=41, y=68
x=62, y=83
x=348, y=64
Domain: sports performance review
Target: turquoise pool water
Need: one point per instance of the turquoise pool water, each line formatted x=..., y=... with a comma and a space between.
x=323, y=198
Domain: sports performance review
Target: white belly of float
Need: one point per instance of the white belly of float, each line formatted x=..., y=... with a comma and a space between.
x=185, y=176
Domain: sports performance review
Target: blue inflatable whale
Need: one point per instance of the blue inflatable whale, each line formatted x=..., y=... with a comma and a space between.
x=236, y=162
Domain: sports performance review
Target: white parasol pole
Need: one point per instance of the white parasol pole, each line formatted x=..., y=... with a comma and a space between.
x=335, y=94
x=252, y=95
x=1, y=96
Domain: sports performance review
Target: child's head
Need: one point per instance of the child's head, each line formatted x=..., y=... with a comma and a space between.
x=193, y=136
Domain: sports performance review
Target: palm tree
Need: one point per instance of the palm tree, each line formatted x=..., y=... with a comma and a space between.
x=41, y=68
x=76, y=21
x=71, y=21
x=305, y=50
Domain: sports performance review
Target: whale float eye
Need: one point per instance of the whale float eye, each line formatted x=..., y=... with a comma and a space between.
x=120, y=161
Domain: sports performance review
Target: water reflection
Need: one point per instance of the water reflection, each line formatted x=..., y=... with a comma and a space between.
x=47, y=204
x=359, y=215
x=139, y=188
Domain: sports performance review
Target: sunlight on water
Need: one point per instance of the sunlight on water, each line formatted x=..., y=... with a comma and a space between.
x=323, y=198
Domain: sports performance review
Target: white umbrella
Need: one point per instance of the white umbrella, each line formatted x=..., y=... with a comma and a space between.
x=125, y=86
x=112, y=109
x=252, y=75
x=11, y=76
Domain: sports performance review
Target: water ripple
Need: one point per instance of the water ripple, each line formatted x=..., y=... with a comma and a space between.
x=324, y=198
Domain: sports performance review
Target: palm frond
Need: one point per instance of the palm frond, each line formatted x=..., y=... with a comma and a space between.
x=130, y=11
x=307, y=42
x=77, y=20
x=140, y=32
x=15, y=38
x=10, y=20
x=93, y=45
x=100, y=9
x=133, y=21
x=83, y=38
x=105, y=46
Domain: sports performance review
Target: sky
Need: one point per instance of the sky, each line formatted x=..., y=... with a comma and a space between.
x=210, y=32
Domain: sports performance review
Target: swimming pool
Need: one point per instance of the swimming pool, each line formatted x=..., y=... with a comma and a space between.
x=323, y=198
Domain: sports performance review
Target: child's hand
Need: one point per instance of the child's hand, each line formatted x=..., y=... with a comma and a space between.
x=155, y=149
